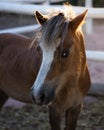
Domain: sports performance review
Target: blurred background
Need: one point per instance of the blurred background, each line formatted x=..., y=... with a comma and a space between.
x=19, y=116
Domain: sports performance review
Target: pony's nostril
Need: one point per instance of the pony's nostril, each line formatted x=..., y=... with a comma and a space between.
x=39, y=99
x=42, y=97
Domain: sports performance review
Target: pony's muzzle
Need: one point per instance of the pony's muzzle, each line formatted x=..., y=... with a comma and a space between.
x=44, y=96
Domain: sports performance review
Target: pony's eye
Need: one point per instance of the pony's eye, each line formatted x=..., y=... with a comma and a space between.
x=65, y=53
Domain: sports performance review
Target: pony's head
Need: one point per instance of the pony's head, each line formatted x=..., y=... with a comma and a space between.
x=63, y=54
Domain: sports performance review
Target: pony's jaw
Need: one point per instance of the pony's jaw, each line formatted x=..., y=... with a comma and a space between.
x=39, y=92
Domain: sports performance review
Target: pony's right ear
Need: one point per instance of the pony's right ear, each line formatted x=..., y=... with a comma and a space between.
x=40, y=18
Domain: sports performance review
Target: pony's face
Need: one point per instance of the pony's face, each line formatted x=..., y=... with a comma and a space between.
x=58, y=56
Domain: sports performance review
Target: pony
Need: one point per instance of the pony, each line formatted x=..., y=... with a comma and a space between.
x=49, y=69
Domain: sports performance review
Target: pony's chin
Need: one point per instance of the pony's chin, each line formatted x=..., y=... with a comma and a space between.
x=43, y=103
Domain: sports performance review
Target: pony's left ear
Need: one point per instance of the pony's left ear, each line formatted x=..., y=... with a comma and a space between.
x=79, y=20
x=40, y=18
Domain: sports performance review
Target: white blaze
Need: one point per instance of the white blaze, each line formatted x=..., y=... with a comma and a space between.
x=48, y=56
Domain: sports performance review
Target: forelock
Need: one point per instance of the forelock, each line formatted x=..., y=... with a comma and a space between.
x=56, y=26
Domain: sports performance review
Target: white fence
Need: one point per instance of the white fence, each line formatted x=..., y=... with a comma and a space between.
x=29, y=9
x=20, y=8
x=23, y=1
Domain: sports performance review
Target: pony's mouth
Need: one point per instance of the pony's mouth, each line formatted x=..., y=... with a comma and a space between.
x=42, y=101
x=43, y=97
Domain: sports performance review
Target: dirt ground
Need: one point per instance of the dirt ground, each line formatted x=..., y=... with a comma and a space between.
x=18, y=116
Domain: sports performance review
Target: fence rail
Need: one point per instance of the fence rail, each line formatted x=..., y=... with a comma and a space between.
x=23, y=1
x=24, y=29
x=30, y=8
